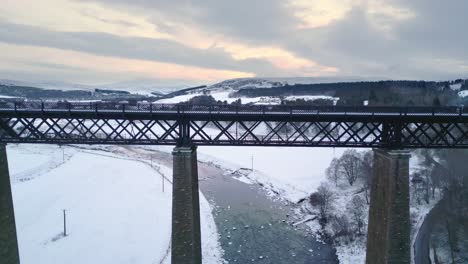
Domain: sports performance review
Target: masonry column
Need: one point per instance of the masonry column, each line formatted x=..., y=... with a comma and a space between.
x=186, y=237
x=8, y=241
x=388, y=236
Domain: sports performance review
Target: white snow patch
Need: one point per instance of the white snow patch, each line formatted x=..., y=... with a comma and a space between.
x=352, y=253
x=177, y=99
x=312, y=98
x=455, y=86
x=8, y=96
x=244, y=179
x=463, y=93
x=219, y=95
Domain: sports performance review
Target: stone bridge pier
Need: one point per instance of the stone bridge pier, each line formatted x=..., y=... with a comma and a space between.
x=186, y=236
x=388, y=237
x=9, y=253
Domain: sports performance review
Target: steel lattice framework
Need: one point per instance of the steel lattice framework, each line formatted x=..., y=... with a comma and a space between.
x=151, y=124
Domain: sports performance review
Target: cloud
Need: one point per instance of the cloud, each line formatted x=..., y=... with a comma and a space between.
x=392, y=38
x=160, y=50
x=413, y=44
x=33, y=61
x=119, y=22
x=253, y=21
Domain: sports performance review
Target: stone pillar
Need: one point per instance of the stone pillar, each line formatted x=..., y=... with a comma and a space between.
x=186, y=236
x=388, y=236
x=8, y=242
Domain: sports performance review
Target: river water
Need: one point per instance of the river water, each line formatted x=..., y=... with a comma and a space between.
x=255, y=228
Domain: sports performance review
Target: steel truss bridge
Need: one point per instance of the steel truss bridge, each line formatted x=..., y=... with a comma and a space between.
x=159, y=124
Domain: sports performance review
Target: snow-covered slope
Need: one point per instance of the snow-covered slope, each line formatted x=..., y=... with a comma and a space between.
x=116, y=209
x=48, y=85
x=149, y=86
x=463, y=93
x=138, y=86
x=223, y=91
x=456, y=86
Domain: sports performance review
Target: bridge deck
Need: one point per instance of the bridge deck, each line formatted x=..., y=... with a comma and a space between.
x=264, y=125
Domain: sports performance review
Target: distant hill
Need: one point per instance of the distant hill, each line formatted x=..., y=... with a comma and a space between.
x=383, y=93
x=269, y=91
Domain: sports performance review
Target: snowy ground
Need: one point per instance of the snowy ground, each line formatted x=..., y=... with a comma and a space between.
x=220, y=95
x=116, y=210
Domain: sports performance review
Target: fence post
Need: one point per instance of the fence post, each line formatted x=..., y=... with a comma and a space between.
x=64, y=223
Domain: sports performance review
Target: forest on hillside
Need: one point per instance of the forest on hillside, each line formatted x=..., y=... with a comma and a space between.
x=379, y=93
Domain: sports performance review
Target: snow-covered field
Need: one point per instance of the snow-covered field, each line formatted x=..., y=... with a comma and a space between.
x=116, y=210
x=312, y=98
x=463, y=93
x=221, y=95
x=224, y=94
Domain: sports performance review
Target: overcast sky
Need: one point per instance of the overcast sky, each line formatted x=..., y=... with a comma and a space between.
x=102, y=41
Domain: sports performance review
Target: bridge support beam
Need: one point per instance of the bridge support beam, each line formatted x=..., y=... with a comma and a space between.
x=186, y=236
x=388, y=237
x=9, y=253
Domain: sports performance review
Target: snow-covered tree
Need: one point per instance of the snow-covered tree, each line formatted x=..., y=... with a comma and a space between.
x=333, y=171
x=358, y=212
x=350, y=165
x=323, y=199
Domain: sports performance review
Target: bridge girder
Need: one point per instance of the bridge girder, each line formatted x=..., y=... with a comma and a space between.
x=313, y=131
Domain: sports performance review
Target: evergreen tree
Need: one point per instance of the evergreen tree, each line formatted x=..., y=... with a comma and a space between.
x=373, y=96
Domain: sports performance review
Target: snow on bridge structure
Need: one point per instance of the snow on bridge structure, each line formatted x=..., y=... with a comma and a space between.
x=388, y=130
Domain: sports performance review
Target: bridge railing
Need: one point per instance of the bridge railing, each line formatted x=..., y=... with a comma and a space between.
x=143, y=107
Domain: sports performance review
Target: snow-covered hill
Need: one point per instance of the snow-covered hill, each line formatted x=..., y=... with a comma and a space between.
x=223, y=91
x=137, y=86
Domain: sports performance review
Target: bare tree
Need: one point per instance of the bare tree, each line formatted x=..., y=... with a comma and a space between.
x=342, y=228
x=357, y=208
x=419, y=187
x=323, y=199
x=333, y=171
x=351, y=165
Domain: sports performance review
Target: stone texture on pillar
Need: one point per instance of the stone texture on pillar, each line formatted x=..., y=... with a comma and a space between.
x=186, y=236
x=8, y=241
x=388, y=236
